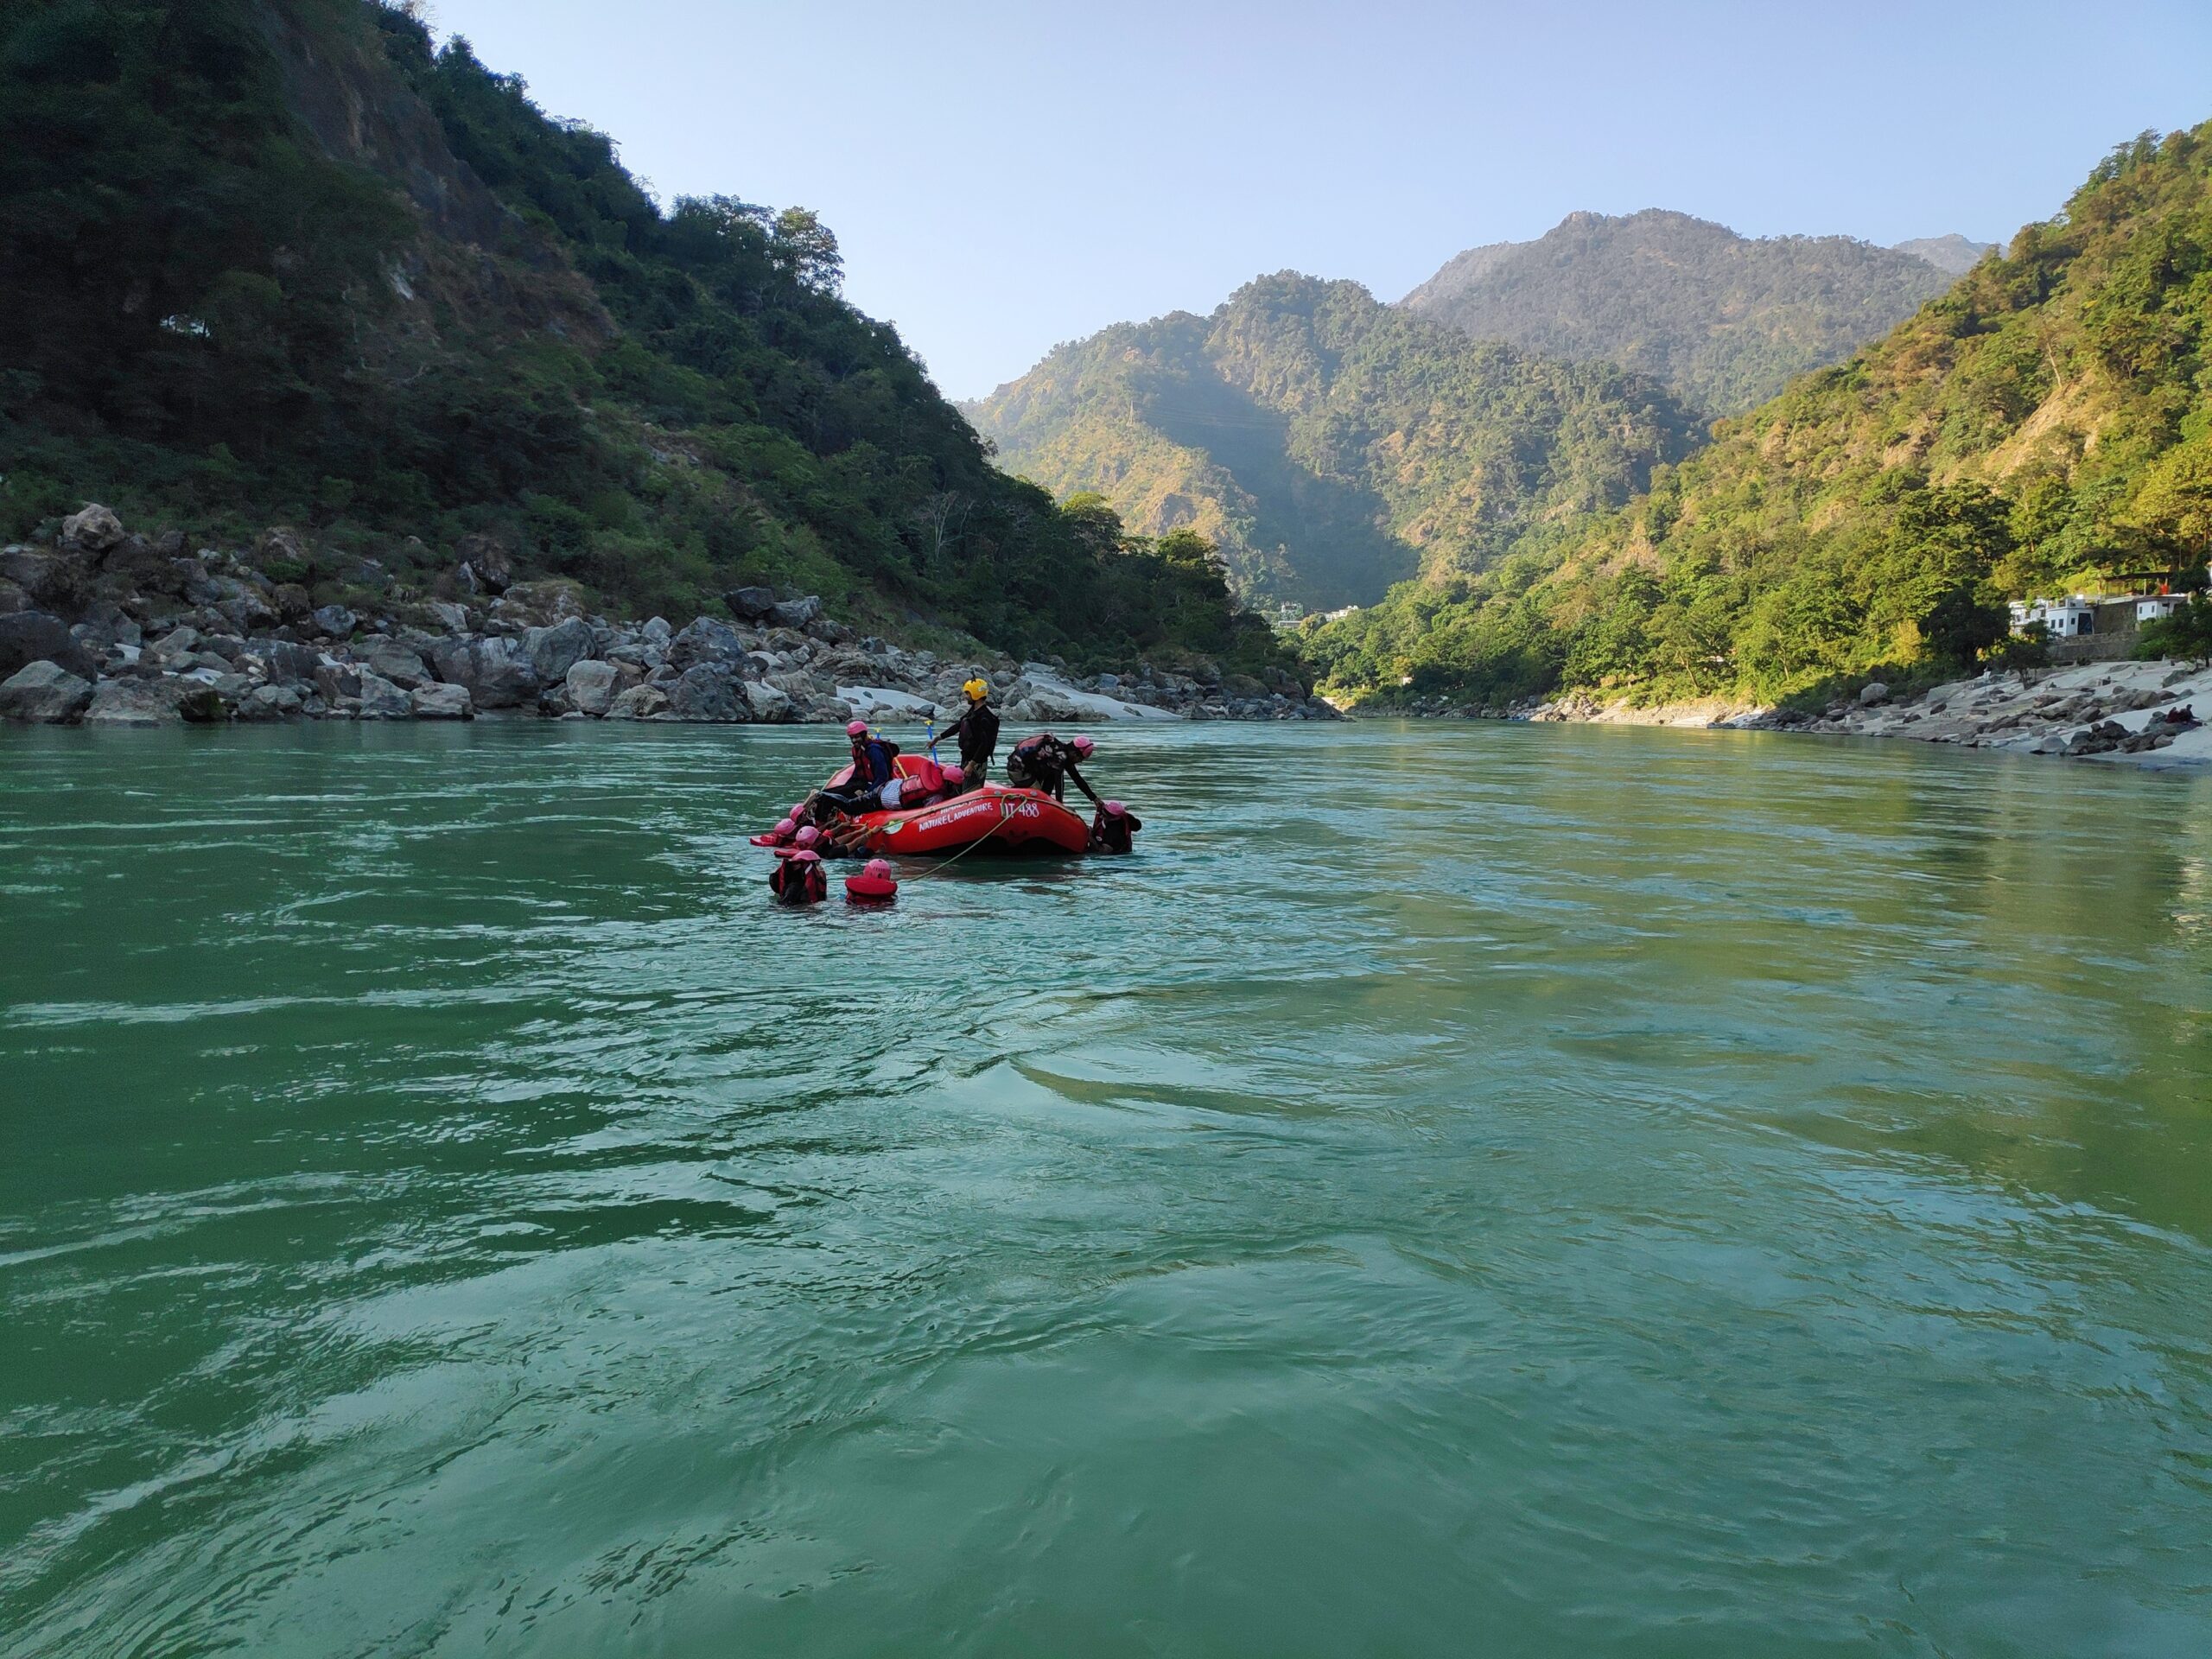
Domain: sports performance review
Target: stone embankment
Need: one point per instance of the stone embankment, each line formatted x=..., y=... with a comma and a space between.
x=108, y=628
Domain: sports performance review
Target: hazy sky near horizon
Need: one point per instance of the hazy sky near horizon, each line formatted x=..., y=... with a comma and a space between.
x=1004, y=176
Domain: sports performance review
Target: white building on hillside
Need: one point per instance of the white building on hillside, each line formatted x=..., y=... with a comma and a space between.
x=2067, y=618
x=2159, y=606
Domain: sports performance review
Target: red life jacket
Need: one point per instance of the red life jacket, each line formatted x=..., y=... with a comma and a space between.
x=799, y=881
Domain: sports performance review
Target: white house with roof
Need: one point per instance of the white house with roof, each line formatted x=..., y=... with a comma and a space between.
x=2070, y=618
x=2157, y=606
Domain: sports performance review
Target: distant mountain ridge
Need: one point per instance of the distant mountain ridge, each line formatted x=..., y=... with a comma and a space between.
x=1330, y=444
x=1724, y=320
x=1953, y=255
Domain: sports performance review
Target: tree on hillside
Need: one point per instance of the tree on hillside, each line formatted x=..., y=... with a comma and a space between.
x=2186, y=634
x=807, y=248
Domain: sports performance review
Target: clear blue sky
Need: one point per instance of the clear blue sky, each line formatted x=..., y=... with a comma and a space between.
x=1004, y=176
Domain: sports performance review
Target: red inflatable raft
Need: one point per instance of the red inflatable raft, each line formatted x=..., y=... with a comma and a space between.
x=1023, y=820
x=1018, y=819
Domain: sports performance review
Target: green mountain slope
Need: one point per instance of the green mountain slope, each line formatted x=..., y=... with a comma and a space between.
x=279, y=260
x=2048, y=417
x=1330, y=444
x=1723, y=320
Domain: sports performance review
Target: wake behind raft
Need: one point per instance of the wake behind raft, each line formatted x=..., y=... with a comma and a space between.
x=991, y=816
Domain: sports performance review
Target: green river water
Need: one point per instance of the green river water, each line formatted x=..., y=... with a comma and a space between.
x=1457, y=1190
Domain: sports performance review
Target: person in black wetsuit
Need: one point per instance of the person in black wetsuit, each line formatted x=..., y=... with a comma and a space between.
x=977, y=729
x=1048, y=763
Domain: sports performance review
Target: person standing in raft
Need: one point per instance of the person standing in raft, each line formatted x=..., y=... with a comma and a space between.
x=800, y=879
x=977, y=729
x=1046, y=762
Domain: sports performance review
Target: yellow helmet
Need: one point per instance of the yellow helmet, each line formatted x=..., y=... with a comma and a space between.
x=978, y=689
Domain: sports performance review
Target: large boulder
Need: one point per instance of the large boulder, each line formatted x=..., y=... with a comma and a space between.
x=754, y=603
x=199, y=702
x=392, y=661
x=441, y=703
x=283, y=552
x=703, y=694
x=705, y=640
x=770, y=705
x=133, y=702
x=486, y=567
x=539, y=604
x=270, y=702
x=247, y=610
x=796, y=612
x=95, y=529
x=44, y=693
x=58, y=582
x=639, y=702
x=285, y=660
x=335, y=681
x=592, y=687
x=28, y=637
x=556, y=649
x=381, y=699
x=335, y=620
x=496, y=670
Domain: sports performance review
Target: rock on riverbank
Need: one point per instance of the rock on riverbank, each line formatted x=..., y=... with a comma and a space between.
x=107, y=627
x=2147, y=714
x=2153, y=714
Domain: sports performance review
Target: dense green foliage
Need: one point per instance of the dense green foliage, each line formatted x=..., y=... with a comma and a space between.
x=2048, y=419
x=1332, y=445
x=265, y=263
x=1723, y=320
x=2187, y=634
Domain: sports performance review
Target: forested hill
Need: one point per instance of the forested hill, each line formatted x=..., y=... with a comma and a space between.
x=279, y=260
x=1723, y=320
x=2048, y=418
x=1331, y=445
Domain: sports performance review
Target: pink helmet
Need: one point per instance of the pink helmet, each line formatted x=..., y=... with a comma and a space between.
x=785, y=827
x=879, y=868
x=1082, y=746
x=809, y=856
x=1115, y=807
x=856, y=728
x=809, y=835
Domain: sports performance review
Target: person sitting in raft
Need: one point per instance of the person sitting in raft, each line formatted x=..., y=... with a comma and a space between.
x=872, y=772
x=954, y=784
x=1047, y=762
x=1115, y=829
x=977, y=729
x=800, y=879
